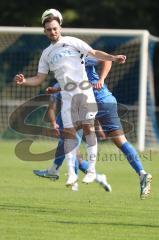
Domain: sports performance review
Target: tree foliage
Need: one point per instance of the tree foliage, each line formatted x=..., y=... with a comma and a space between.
x=123, y=14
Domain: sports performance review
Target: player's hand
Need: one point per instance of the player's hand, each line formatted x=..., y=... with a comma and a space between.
x=120, y=59
x=19, y=79
x=56, y=131
x=51, y=90
x=99, y=84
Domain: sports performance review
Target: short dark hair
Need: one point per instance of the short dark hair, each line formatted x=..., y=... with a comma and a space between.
x=50, y=18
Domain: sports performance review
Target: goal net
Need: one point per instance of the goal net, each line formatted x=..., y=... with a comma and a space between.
x=131, y=83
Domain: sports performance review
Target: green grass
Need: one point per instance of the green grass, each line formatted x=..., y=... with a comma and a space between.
x=35, y=208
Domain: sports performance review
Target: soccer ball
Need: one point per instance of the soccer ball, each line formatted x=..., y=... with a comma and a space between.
x=54, y=13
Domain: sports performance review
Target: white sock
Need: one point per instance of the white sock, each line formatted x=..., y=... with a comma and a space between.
x=142, y=173
x=98, y=178
x=92, y=155
x=70, y=158
x=70, y=148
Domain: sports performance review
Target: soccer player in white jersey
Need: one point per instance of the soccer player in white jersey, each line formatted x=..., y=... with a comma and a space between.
x=65, y=57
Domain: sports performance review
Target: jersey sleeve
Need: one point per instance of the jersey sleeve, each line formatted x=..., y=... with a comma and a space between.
x=43, y=66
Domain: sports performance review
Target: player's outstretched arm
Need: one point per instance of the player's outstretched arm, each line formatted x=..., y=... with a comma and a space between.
x=31, y=81
x=105, y=56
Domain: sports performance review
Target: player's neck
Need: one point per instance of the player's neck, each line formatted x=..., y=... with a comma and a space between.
x=57, y=40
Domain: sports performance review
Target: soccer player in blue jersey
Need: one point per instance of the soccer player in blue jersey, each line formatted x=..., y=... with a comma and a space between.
x=108, y=117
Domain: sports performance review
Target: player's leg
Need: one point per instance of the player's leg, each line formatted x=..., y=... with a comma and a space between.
x=86, y=107
x=129, y=151
x=91, y=148
x=53, y=171
x=70, y=148
x=101, y=135
x=59, y=154
x=112, y=126
x=100, y=178
x=70, y=138
x=134, y=160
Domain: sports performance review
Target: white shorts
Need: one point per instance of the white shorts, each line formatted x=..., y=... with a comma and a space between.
x=78, y=107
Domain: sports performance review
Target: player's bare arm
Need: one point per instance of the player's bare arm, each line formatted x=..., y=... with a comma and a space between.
x=31, y=81
x=104, y=70
x=105, y=56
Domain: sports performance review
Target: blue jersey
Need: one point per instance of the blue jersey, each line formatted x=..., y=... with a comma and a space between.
x=107, y=105
x=93, y=77
x=101, y=95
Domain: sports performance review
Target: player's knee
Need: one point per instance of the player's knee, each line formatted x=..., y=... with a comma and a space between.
x=88, y=128
x=91, y=139
x=69, y=133
x=70, y=145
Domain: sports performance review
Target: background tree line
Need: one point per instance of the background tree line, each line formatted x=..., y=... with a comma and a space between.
x=133, y=14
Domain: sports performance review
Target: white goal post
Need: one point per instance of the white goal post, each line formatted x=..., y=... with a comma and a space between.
x=12, y=34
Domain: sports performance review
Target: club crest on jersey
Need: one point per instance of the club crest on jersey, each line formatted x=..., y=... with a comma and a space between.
x=58, y=56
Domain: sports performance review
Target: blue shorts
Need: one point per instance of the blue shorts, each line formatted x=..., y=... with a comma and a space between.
x=108, y=114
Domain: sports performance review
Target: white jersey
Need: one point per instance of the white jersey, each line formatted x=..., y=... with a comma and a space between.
x=66, y=59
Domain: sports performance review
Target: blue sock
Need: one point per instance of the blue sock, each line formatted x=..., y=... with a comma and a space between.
x=59, y=155
x=76, y=166
x=83, y=166
x=132, y=156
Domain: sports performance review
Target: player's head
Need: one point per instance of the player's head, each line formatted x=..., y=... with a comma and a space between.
x=51, y=21
x=51, y=13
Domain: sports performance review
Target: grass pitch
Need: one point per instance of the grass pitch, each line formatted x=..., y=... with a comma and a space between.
x=33, y=208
